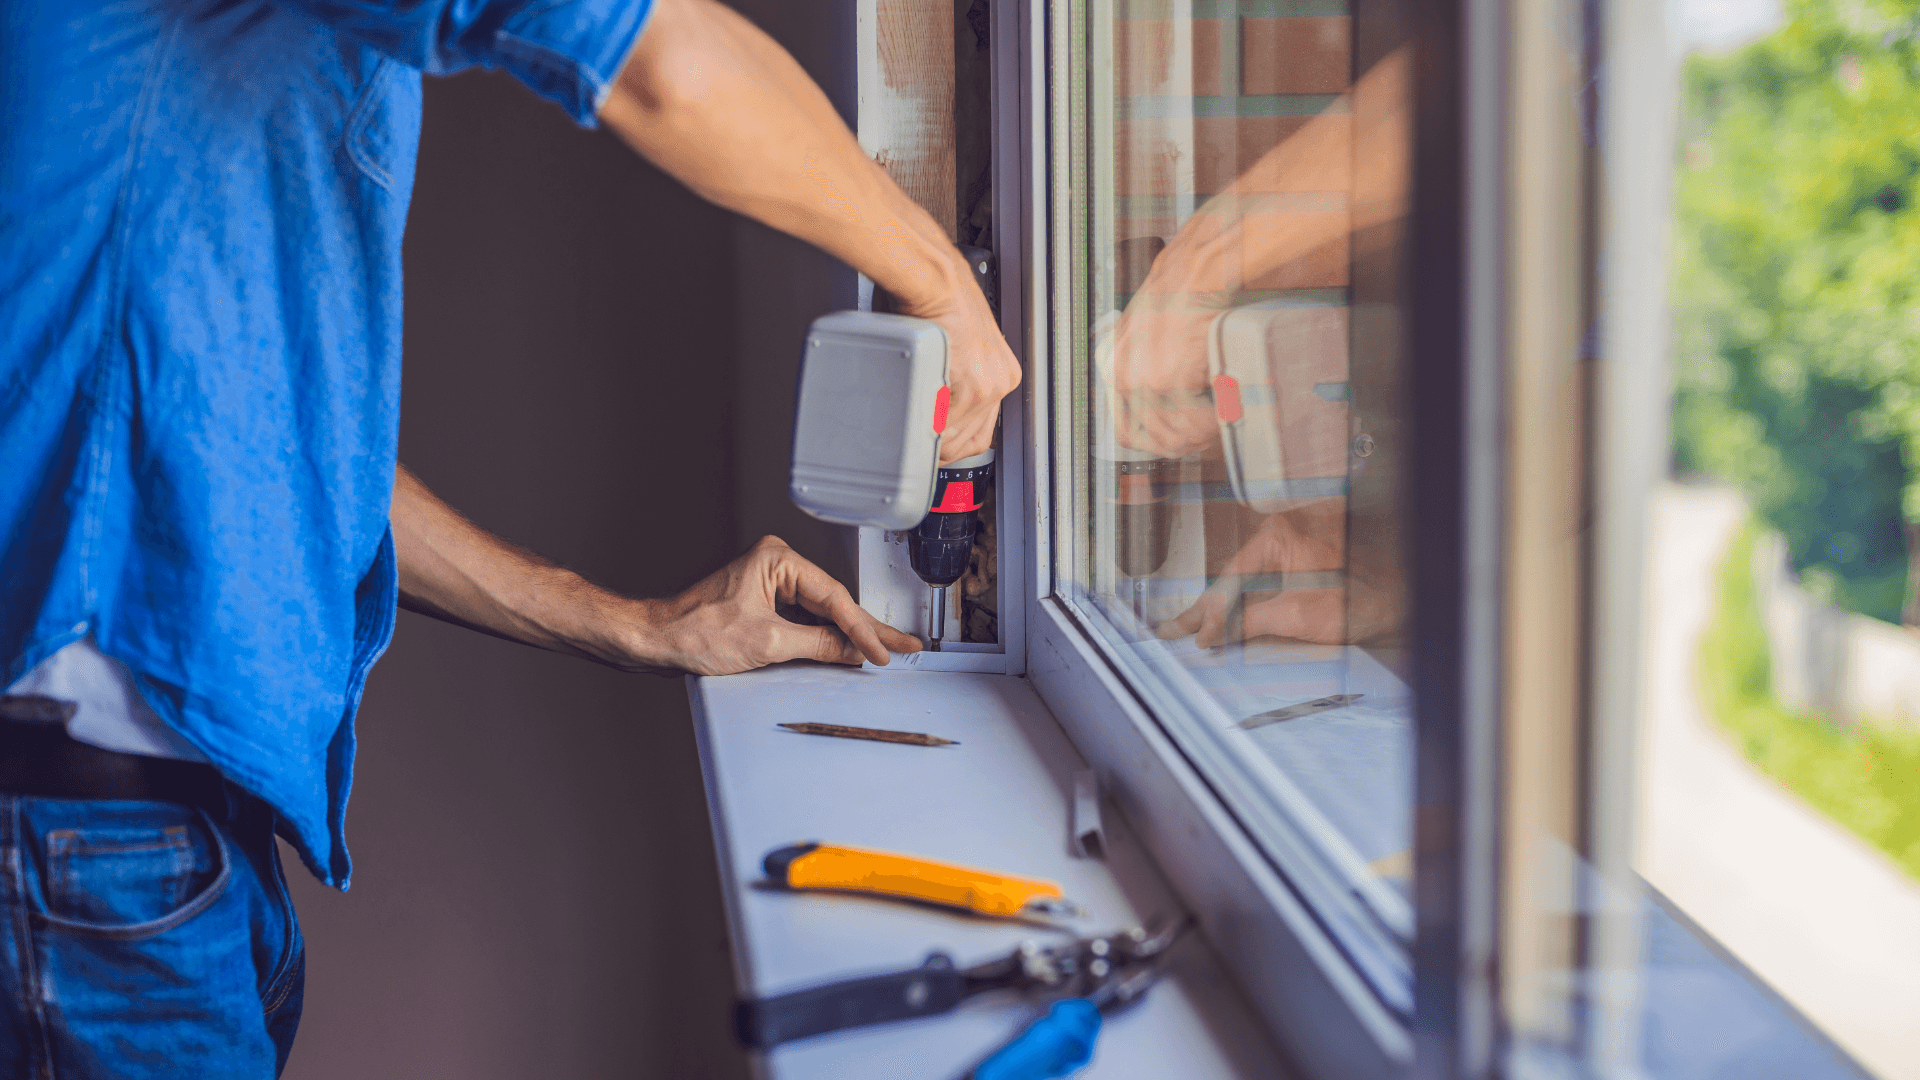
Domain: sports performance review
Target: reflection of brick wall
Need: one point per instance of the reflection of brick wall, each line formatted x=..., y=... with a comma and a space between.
x=1295, y=56
x=1197, y=108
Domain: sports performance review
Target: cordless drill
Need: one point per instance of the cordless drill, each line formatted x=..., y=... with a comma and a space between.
x=871, y=410
x=938, y=548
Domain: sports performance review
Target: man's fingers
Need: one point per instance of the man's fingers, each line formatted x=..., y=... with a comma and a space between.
x=866, y=640
x=874, y=639
x=895, y=640
x=966, y=438
x=793, y=641
x=815, y=590
x=1217, y=612
x=983, y=371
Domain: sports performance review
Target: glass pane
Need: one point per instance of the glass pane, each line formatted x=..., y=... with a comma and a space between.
x=1226, y=506
x=1780, y=756
x=1711, y=788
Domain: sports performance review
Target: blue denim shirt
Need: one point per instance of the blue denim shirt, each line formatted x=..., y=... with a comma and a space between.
x=201, y=207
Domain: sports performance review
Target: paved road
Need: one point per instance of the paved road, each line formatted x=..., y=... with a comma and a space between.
x=1828, y=921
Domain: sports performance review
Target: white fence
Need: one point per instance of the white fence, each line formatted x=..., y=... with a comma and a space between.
x=1830, y=661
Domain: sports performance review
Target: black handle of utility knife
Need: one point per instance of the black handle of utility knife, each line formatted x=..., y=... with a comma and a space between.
x=932, y=988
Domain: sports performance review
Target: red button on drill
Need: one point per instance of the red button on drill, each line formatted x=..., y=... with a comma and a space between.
x=940, y=410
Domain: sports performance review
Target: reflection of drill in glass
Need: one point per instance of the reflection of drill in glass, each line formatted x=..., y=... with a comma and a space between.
x=1142, y=515
x=1142, y=518
x=941, y=544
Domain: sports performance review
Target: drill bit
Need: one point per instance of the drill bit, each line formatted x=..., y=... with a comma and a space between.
x=936, y=618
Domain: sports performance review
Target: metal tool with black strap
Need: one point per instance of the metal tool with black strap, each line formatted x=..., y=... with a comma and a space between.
x=1061, y=1041
x=1113, y=969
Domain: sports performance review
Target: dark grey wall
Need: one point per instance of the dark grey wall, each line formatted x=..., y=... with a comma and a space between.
x=783, y=285
x=534, y=886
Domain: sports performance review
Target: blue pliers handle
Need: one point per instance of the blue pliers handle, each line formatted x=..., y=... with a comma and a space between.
x=1053, y=1046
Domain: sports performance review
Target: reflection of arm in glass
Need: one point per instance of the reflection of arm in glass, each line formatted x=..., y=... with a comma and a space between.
x=1359, y=148
x=1292, y=542
x=1289, y=542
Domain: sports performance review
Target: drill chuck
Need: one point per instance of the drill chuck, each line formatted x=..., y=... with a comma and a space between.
x=940, y=547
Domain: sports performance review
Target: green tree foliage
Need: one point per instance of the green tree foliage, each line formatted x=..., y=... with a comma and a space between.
x=1797, y=288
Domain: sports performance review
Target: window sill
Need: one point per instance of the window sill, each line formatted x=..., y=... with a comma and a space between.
x=1001, y=799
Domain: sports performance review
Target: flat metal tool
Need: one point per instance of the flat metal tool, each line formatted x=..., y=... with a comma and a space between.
x=1101, y=969
x=1061, y=1042
x=1304, y=708
x=841, y=731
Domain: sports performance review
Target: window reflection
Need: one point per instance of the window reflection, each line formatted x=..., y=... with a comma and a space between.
x=1233, y=526
x=1227, y=373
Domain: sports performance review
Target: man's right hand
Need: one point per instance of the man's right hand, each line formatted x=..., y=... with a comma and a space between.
x=980, y=367
x=721, y=107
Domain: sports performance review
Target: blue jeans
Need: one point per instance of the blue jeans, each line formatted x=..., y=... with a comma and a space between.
x=144, y=940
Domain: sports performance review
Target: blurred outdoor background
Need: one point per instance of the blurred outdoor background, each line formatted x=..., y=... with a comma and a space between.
x=1796, y=297
x=1781, y=758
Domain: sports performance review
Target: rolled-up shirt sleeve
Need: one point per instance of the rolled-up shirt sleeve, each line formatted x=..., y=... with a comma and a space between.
x=568, y=51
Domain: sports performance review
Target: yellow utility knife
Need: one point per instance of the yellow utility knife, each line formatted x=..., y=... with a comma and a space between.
x=984, y=892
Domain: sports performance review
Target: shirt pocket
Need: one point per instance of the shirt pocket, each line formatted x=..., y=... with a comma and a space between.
x=129, y=881
x=383, y=128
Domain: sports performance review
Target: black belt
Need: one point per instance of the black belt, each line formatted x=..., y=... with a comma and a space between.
x=39, y=758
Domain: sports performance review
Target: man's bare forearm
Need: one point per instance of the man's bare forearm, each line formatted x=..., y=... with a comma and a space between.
x=718, y=104
x=708, y=97
x=456, y=571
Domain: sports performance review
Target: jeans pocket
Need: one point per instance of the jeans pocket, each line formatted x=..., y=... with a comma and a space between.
x=133, y=880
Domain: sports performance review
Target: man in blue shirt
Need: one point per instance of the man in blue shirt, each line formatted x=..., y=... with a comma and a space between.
x=203, y=528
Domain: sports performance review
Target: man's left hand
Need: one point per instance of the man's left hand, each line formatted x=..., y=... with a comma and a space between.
x=452, y=569
x=729, y=623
